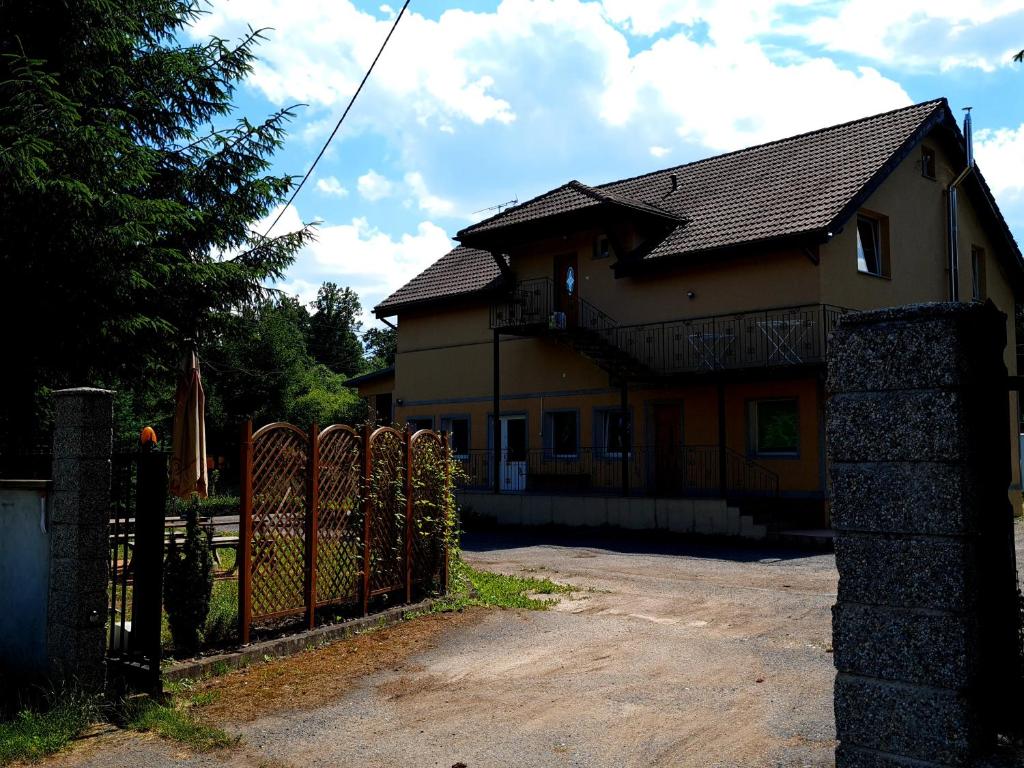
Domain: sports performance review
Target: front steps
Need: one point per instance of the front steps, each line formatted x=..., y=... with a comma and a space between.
x=701, y=516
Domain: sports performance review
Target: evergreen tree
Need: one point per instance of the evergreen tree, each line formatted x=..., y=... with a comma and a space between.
x=129, y=194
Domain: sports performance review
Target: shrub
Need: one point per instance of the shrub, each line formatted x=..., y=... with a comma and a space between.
x=188, y=582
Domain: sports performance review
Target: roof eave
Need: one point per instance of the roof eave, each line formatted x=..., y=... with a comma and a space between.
x=392, y=309
x=805, y=239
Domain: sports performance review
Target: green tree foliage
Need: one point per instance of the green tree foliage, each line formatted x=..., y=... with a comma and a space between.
x=128, y=196
x=334, y=330
x=188, y=584
x=261, y=368
x=381, y=346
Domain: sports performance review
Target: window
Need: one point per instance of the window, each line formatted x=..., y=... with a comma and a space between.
x=611, y=432
x=978, y=273
x=457, y=428
x=927, y=162
x=382, y=405
x=774, y=428
x=561, y=433
x=420, y=422
x=871, y=257
x=602, y=248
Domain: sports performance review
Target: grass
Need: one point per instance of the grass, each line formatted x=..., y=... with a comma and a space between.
x=174, y=720
x=470, y=587
x=33, y=735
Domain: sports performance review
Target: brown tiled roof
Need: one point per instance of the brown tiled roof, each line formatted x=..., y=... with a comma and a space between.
x=798, y=186
x=461, y=271
x=573, y=196
x=788, y=187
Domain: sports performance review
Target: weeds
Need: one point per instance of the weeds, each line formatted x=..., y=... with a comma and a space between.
x=472, y=587
x=32, y=735
x=174, y=721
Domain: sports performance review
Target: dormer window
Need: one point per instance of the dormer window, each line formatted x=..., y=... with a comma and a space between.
x=927, y=162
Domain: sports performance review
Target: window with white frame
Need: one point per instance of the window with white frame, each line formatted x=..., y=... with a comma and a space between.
x=869, y=246
x=561, y=433
x=774, y=427
x=457, y=428
x=611, y=432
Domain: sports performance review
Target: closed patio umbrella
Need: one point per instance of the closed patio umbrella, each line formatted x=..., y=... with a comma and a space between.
x=188, y=452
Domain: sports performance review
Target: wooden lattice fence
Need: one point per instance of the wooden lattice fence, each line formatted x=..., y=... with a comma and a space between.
x=338, y=516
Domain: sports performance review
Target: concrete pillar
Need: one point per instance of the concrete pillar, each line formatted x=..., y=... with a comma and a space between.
x=919, y=462
x=79, y=516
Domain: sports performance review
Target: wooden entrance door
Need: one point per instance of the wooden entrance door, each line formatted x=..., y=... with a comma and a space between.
x=668, y=449
x=567, y=288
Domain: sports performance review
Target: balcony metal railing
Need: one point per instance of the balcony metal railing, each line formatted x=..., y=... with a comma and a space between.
x=690, y=470
x=765, y=338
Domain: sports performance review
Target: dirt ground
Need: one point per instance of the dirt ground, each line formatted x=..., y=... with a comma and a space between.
x=671, y=654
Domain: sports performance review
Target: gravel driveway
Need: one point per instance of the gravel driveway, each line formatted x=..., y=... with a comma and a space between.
x=672, y=654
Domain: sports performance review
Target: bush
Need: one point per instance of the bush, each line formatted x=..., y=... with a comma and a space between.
x=214, y=506
x=188, y=583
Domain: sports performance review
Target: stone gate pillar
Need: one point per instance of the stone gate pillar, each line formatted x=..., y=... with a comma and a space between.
x=79, y=517
x=923, y=631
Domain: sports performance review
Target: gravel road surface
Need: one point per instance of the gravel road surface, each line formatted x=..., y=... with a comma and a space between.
x=672, y=653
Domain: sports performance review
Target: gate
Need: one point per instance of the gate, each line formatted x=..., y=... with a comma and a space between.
x=335, y=518
x=138, y=496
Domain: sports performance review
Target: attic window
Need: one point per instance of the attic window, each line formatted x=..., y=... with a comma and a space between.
x=927, y=162
x=602, y=248
x=872, y=245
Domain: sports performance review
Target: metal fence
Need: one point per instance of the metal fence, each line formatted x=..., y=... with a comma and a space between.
x=337, y=517
x=138, y=498
x=690, y=470
x=767, y=338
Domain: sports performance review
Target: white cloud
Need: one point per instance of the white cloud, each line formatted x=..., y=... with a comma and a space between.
x=1000, y=155
x=921, y=34
x=360, y=256
x=739, y=95
x=331, y=186
x=425, y=201
x=373, y=186
x=659, y=152
x=318, y=50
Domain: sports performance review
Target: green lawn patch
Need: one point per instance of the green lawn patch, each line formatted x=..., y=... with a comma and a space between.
x=174, y=721
x=33, y=735
x=470, y=586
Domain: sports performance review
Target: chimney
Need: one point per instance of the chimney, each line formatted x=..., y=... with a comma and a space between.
x=968, y=138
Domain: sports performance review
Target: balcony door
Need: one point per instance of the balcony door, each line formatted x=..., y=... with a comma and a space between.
x=567, y=288
x=669, y=476
x=513, y=453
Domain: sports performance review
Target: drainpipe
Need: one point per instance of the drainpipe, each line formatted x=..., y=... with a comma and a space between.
x=954, y=229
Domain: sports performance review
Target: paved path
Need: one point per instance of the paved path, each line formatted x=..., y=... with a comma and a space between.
x=673, y=654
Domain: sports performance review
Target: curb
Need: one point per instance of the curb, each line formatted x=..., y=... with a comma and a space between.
x=292, y=644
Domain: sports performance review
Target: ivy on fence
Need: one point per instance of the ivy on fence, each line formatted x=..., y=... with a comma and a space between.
x=338, y=516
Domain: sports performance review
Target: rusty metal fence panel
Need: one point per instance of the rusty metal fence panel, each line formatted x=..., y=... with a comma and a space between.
x=339, y=523
x=385, y=545
x=430, y=488
x=334, y=518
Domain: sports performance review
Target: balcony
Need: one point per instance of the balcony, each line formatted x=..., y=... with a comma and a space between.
x=759, y=339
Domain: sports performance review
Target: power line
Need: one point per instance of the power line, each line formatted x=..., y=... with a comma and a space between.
x=340, y=121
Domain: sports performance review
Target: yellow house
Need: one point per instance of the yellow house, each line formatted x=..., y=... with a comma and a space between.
x=650, y=352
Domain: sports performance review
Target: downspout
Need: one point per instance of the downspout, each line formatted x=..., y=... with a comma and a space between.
x=954, y=229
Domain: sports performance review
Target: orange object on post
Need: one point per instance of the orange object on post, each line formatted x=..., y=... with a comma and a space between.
x=147, y=437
